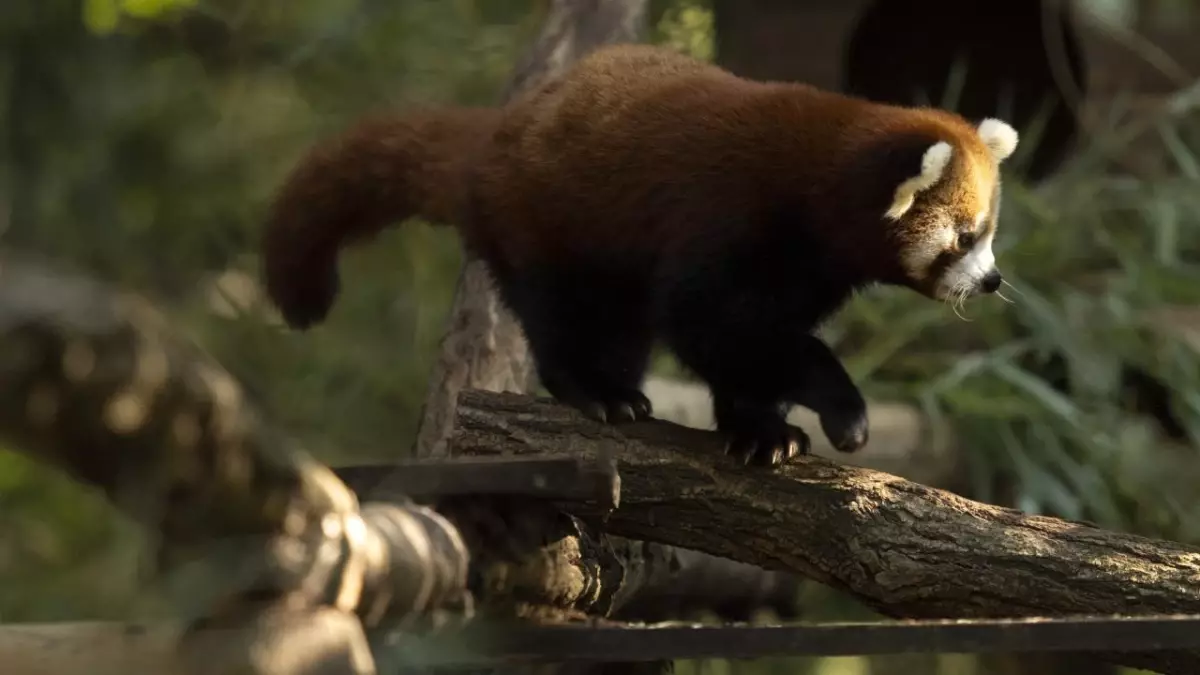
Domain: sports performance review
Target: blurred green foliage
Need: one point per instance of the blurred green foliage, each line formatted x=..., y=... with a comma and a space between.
x=686, y=26
x=140, y=140
x=145, y=153
x=103, y=16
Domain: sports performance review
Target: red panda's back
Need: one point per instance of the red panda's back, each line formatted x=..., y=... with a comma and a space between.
x=638, y=149
x=604, y=158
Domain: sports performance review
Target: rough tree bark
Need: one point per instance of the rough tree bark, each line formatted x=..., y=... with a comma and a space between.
x=905, y=549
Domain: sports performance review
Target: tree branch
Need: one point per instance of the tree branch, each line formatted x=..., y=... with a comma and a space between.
x=900, y=547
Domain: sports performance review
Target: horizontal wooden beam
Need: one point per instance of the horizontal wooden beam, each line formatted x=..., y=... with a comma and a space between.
x=483, y=645
x=116, y=649
x=317, y=642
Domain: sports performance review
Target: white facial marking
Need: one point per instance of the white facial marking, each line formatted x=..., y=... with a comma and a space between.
x=920, y=255
x=999, y=137
x=933, y=165
x=968, y=271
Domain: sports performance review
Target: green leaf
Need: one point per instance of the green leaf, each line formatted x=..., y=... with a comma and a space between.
x=101, y=16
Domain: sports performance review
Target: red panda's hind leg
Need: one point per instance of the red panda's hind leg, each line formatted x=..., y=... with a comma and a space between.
x=592, y=397
x=590, y=338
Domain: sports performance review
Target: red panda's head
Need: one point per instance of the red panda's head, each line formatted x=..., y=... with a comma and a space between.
x=947, y=213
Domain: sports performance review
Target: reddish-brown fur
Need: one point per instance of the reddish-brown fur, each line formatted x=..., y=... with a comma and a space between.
x=642, y=195
x=383, y=170
x=633, y=118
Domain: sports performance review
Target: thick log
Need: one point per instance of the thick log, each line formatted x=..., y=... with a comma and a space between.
x=900, y=547
x=94, y=382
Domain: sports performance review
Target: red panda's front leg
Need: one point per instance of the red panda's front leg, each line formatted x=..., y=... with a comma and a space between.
x=749, y=337
x=754, y=365
x=757, y=430
x=754, y=415
x=827, y=390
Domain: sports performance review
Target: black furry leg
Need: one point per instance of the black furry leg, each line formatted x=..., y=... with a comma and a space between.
x=593, y=394
x=758, y=432
x=826, y=389
x=754, y=348
x=590, y=341
x=813, y=377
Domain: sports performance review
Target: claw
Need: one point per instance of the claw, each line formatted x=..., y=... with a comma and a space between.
x=768, y=444
x=793, y=449
x=630, y=406
x=621, y=412
x=641, y=406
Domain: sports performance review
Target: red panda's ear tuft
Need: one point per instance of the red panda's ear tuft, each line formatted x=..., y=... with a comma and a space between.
x=999, y=137
x=933, y=164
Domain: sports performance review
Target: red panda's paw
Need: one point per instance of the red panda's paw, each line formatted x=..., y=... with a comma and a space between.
x=613, y=411
x=642, y=409
x=767, y=442
x=625, y=406
x=612, y=408
x=847, y=430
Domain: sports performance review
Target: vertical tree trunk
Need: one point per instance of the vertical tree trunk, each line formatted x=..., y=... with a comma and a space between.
x=484, y=347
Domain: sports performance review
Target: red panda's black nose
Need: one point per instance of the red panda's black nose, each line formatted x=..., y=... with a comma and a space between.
x=991, y=281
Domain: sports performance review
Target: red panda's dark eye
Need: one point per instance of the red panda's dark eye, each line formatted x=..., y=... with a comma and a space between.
x=965, y=241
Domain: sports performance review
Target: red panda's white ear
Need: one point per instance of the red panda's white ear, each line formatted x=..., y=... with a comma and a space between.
x=933, y=165
x=999, y=137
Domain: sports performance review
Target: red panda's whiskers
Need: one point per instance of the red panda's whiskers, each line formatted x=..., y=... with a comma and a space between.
x=960, y=297
x=1015, y=289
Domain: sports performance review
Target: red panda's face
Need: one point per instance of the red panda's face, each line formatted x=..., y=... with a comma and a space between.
x=948, y=215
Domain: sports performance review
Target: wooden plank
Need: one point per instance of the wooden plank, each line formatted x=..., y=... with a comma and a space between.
x=484, y=645
x=41, y=649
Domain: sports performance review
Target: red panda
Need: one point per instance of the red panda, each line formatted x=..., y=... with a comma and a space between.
x=648, y=196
